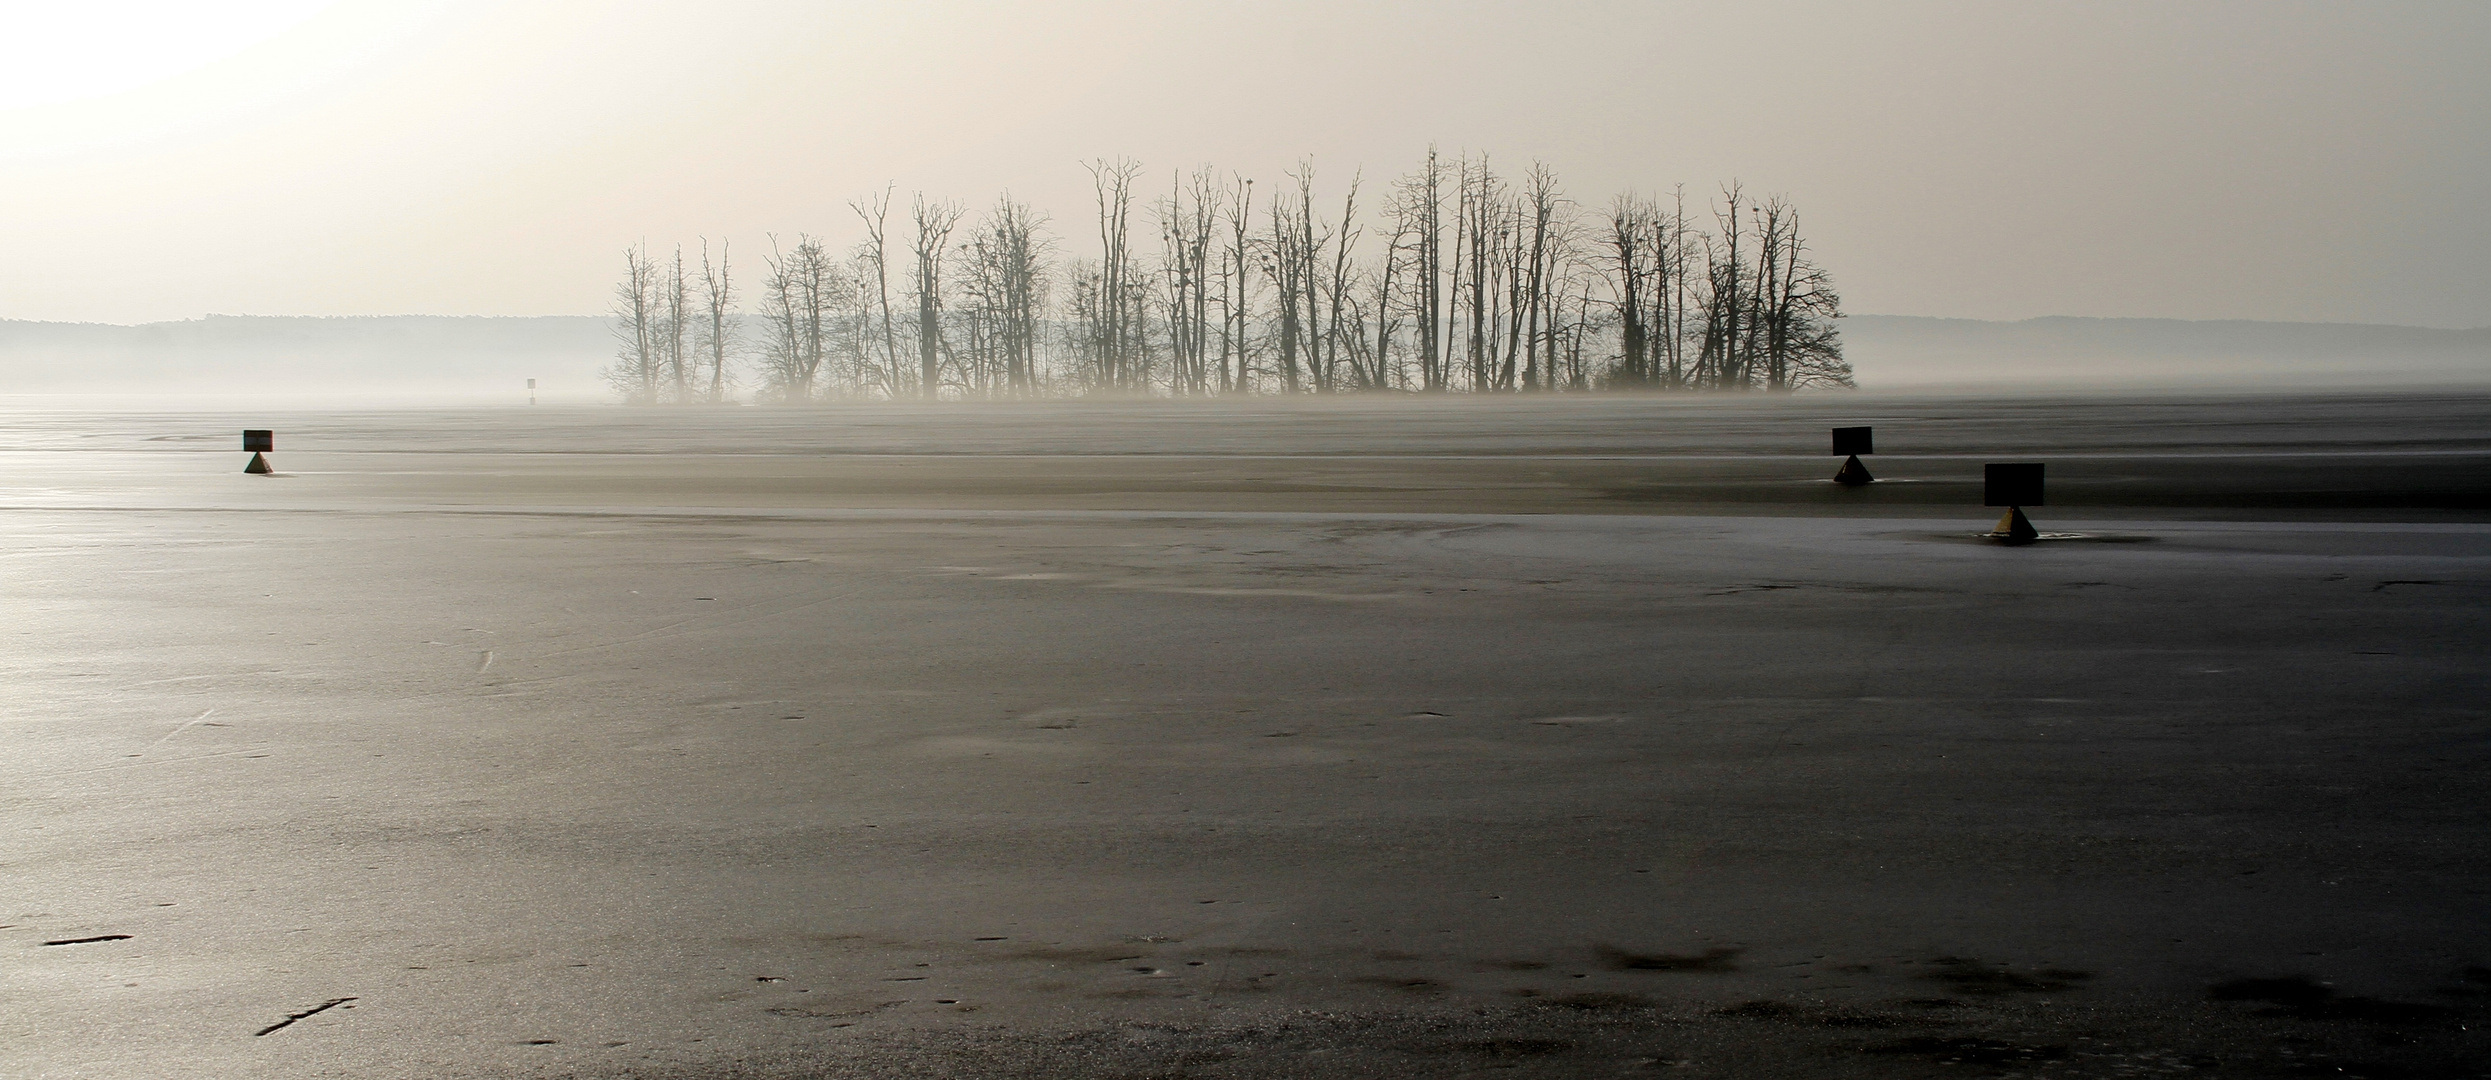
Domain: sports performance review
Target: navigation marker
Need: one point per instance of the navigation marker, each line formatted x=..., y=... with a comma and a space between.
x=259, y=443
x=2015, y=487
x=1853, y=441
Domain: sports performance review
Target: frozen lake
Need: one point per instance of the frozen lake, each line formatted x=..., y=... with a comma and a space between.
x=1536, y=738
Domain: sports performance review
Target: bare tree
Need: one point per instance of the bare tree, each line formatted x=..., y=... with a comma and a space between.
x=1631, y=234
x=1670, y=294
x=1237, y=310
x=1720, y=358
x=1532, y=317
x=875, y=212
x=1289, y=260
x=1765, y=359
x=934, y=223
x=635, y=312
x=1336, y=292
x=1380, y=372
x=718, y=332
x=1186, y=220
x=1006, y=287
x=1795, y=309
x=1418, y=213
x=1117, y=331
x=674, y=327
x=800, y=300
x=1487, y=229
x=1080, y=330
x=1524, y=295
x=1315, y=288
x=1769, y=325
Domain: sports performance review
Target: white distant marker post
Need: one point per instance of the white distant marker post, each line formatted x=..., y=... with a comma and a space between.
x=531, y=391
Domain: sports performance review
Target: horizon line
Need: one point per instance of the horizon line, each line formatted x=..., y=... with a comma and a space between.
x=1855, y=315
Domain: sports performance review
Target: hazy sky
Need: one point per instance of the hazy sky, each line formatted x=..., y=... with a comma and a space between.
x=2215, y=160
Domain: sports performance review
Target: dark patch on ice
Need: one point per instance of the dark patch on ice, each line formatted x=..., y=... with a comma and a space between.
x=89, y=940
x=1842, y=1019
x=1244, y=950
x=2473, y=981
x=794, y=1012
x=1407, y=985
x=1766, y=1009
x=2298, y=997
x=1512, y=1047
x=1975, y=977
x=290, y=1018
x=1761, y=1009
x=1597, y=1001
x=1097, y=955
x=1751, y=587
x=1719, y=958
x=2382, y=586
x=1970, y=1051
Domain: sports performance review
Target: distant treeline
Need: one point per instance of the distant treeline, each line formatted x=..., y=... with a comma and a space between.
x=1463, y=280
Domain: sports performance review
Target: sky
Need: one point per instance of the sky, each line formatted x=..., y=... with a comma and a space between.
x=2265, y=160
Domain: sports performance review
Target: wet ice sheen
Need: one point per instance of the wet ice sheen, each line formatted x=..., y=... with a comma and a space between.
x=1629, y=753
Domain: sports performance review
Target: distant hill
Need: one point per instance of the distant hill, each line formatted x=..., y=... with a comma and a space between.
x=436, y=358
x=1913, y=352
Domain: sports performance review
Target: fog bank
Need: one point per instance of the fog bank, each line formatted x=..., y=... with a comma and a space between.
x=437, y=359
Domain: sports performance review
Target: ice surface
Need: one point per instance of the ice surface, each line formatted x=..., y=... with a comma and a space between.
x=1338, y=740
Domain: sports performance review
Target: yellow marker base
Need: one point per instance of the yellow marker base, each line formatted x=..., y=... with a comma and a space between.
x=1853, y=473
x=2014, y=528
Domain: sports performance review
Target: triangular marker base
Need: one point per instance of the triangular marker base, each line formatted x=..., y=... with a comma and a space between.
x=1853, y=473
x=2014, y=528
x=258, y=465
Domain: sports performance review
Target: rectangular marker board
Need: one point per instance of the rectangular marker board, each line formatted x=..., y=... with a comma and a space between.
x=256, y=441
x=1853, y=440
x=2011, y=485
